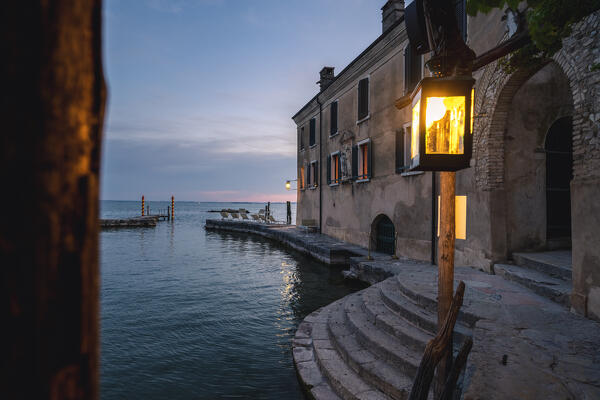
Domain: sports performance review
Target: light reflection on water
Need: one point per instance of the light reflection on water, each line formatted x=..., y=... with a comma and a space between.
x=194, y=314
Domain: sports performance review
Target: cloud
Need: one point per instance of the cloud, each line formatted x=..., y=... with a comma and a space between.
x=228, y=134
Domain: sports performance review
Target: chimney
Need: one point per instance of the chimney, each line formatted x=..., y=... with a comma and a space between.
x=327, y=77
x=391, y=12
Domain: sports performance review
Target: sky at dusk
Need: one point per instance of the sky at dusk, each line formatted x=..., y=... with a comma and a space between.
x=201, y=92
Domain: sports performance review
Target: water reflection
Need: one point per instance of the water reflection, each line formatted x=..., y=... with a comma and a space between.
x=210, y=316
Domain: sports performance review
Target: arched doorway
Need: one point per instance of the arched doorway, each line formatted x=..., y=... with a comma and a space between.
x=537, y=201
x=559, y=172
x=384, y=235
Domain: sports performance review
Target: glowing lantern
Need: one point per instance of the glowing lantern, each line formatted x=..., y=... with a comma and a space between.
x=288, y=185
x=441, y=132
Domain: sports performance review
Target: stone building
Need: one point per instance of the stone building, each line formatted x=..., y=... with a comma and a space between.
x=534, y=181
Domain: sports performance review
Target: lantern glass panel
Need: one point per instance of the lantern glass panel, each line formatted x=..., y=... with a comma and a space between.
x=445, y=125
x=414, y=130
x=472, y=108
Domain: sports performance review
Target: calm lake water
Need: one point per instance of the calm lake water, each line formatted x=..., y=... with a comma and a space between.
x=190, y=314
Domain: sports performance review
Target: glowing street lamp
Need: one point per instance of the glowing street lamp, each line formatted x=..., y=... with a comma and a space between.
x=441, y=133
x=288, y=184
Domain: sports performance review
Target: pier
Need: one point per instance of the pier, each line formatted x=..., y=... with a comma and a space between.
x=146, y=219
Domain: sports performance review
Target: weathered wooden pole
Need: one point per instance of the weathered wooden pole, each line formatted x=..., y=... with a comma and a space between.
x=143, y=206
x=172, y=207
x=446, y=263
x=52, y=112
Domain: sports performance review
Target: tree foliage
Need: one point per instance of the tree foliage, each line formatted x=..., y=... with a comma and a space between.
x=548, y=22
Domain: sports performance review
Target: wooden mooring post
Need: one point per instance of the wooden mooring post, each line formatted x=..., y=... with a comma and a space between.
x=172, y=208
x=143, y=206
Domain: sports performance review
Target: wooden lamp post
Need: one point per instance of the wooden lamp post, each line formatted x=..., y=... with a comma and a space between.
x=441, y=132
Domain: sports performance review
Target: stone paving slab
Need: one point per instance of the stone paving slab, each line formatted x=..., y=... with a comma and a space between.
x=550, y=352
x=545, y=285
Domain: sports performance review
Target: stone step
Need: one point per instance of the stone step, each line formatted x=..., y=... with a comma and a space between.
x=380, y=343
x=555, y=289
x=374, y=371
x=309, y=373
x=392, y=323
x=428, y=303
x=556, y=264
x=343, y=379
x=415, y=314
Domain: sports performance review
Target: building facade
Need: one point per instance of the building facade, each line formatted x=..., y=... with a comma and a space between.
x=534, y=180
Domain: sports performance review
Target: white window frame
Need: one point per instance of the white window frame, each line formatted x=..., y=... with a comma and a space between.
x=361, y=161
x=332, y=168
x=358, y=121
x=406, y=128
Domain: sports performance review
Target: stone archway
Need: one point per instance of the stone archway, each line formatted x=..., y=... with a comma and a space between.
x=383, y=235
x=495, y=91
x=534, y=109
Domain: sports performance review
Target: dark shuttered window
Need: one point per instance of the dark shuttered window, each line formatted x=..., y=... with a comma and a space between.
x=460, y=7
x=315, y=173
x=363, y=98
x=333, y=117
x=412, y=68
x=313, y=128
x=301, y=138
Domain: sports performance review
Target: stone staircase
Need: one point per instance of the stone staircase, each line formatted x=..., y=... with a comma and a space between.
x=368, y=345
x=545, y=273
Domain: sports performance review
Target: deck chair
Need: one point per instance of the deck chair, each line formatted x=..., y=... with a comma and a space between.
x=224, y=215
x=255, y=217
x=234, y=215
x=273, y=220
x=244, y=215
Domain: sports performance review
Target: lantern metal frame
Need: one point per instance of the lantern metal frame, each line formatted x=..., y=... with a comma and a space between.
x=441, y=87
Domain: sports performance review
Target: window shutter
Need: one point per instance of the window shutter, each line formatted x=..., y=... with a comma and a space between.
x=370, y=160
x=329, y=169
x=338, y=165
x=363, y=98
x=461, y=17
x=312, y=132
x=308, y=176
x=333, y=118
x=316, y=172
x=354, y=162
x=408, y=68
x=416, y=67
x=399, y=150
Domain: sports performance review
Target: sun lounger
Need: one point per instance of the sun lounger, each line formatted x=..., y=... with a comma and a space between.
x=224, y=215
x=244, y=215
x=273, y=220
x=255, y=217
x=234, y=215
